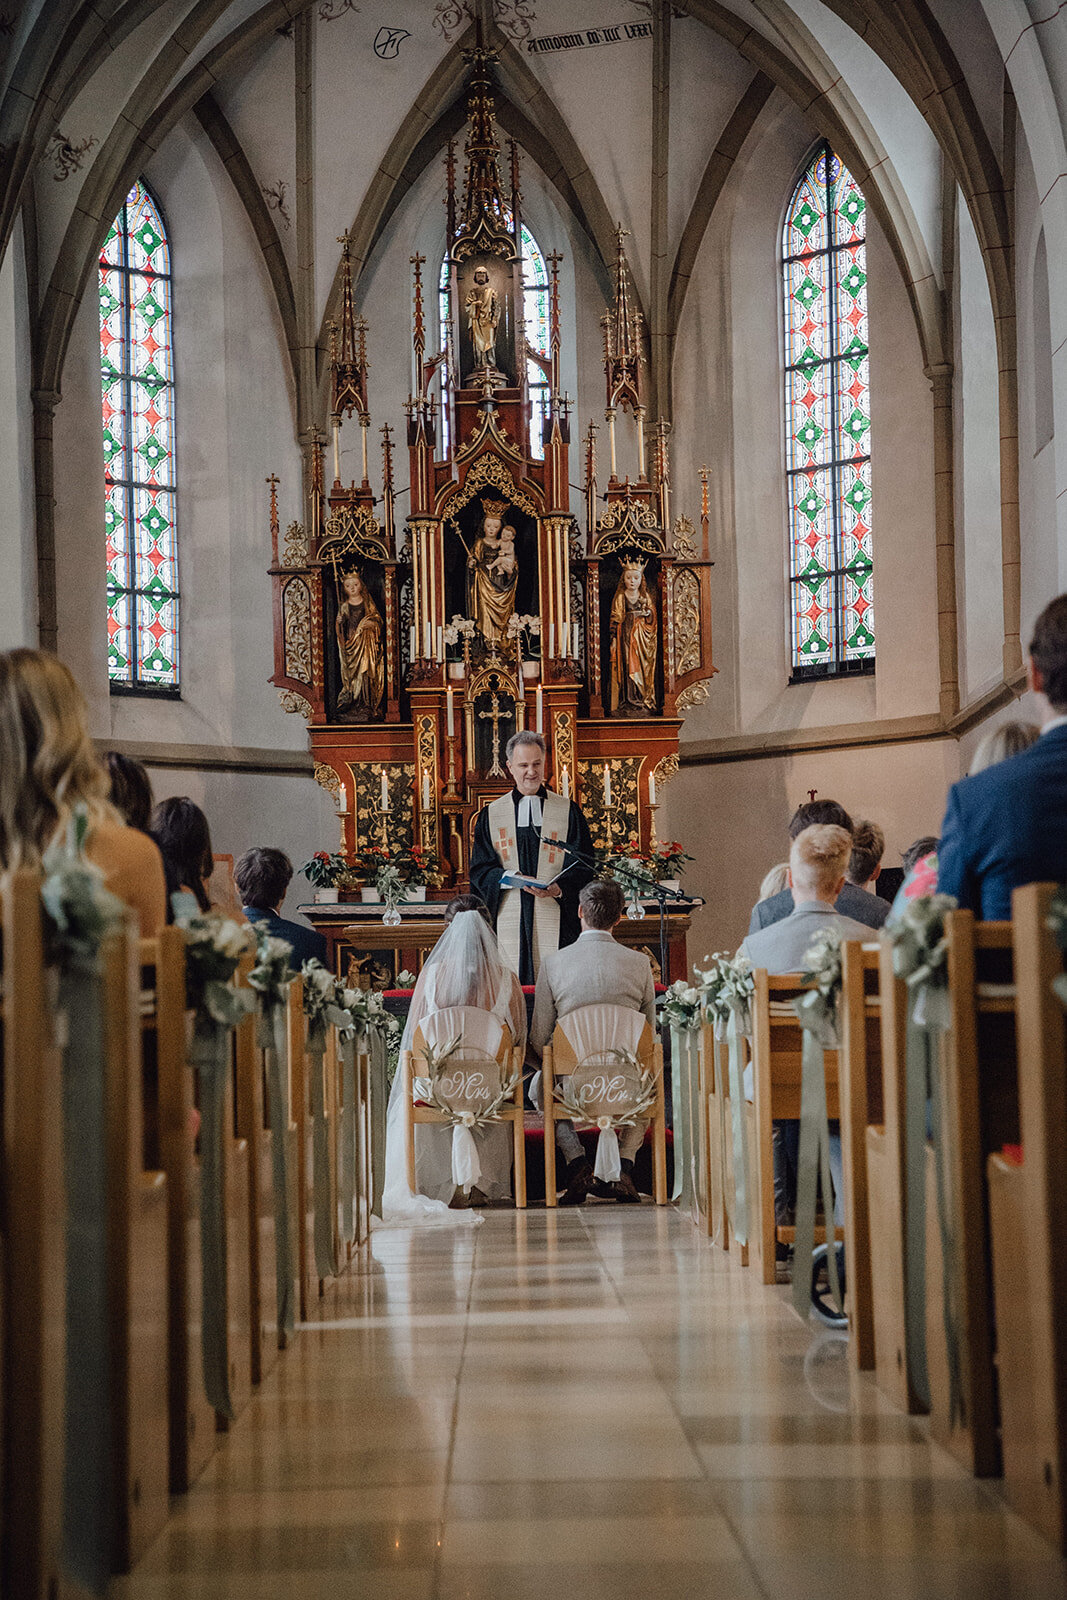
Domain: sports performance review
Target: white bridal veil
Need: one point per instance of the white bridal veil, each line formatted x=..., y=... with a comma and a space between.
x=465, y=968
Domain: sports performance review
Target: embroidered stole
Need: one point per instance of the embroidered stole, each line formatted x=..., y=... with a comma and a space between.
x=551, y=859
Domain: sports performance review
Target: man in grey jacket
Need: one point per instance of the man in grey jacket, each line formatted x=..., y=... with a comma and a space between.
x=852, y=902
x=818, y=862
x=594, y=970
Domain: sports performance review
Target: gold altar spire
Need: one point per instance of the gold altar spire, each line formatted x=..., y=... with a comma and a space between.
x=348, y=349
x=483, y=226
x=622, y=338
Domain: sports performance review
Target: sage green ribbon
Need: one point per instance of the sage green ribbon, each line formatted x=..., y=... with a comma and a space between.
x=737, y=1114
x=813, y=1161
x=209, y=1054
x=691, y=1106
x=379, y=1097
x=349, y=1165
x=677, y=1105
x=325, y=1263
x=272, y=1042
x=88, y=1509
x=720, y=1131
x=924, y=1095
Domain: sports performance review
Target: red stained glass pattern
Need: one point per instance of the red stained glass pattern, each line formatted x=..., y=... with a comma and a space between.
x=828, y=422
x=137, y=381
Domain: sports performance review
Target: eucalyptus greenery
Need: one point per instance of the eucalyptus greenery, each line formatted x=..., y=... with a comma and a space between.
x=81, y=910
x=214, y=945
x=919, y=944
x=322, y=1007
x=427, y=1086
x=681, y=1007
x=727, y=987
x=643, y=1101
x=817, y=1006
x=273, y=971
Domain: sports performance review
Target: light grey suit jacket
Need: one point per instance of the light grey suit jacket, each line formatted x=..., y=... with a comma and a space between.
x=594, y=971
x=783, y=946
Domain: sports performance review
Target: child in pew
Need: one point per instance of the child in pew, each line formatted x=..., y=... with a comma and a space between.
x=48, y=768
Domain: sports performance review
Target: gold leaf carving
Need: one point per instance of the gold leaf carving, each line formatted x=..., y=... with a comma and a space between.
x=490, y=471
x=694, y=695
x=294, y=702
x=327, y=778
x=666, y=769
x=296, y=545
x=296, y=610
x=624, y=814
x=686, y=621
x=684, y=537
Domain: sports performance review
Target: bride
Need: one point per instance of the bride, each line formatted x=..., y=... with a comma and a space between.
x=465, y=968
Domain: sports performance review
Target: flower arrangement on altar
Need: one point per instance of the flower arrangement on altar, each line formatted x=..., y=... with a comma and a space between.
x=406, y=867
x=325, y=871
x=668, y=859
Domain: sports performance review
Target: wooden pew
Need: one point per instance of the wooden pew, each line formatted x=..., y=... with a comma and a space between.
x=981, y=1097
x=716, y=1131
x=239, y=1184
x=253, y=1129
x=859, y=1014
x=1028, y=1224
x=894, y=1361
x=776, y=1063
x=33, y=1255
x=169, y=1086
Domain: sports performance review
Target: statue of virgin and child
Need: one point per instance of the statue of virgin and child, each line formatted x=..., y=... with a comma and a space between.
x=492, y=574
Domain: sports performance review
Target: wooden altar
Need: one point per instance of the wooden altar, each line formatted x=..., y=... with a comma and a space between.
x=413, y=651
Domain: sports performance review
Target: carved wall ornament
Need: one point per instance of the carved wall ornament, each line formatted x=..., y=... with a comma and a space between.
x=367, y=790
x=296, y=612
x=628, y=525
x=274, y=195
x=625, y=819
x=686, y=621
x=684, y=537
x=68, y=157
x=427, y=761
x=694, y=695
x=666, y=769
x=490, y=472
x=295, y=553
x=295, y=702
x=330, y=10
x=353, y=530
x=328, y=779
x=563, y=745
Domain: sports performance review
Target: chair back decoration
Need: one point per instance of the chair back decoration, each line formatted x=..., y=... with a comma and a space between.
x=609, y=1082
x=469, y=1075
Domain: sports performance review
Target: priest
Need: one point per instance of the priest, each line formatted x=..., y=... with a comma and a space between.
x=539, y=834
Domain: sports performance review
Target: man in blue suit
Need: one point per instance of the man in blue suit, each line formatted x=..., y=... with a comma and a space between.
x=262, y=876
x=1007, y=826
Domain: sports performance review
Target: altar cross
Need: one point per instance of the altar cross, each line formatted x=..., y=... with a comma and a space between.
x=496, y=717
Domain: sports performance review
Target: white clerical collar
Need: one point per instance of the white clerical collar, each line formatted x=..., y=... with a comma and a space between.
x=529, y=811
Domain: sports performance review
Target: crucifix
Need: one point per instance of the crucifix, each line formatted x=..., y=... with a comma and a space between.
x=496, y=717
x=811, y=795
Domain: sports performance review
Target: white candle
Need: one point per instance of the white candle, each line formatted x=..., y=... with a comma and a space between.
x=551, y=639
x=440, y=644
x=540, y=710
x=574, y=640
x=607, y=784
x=652, y=788
x=566, y=785
x=426, y=637
x=425, y=790
x=414, y=642
x=385, y=791
x=450, y=721
x=342, y=802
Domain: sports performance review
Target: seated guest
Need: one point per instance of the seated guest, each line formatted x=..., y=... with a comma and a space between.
x=594, y=970
x=853, y=902
x=262, y=876
x=865, y=862
x=1010, y=739
x=919, y=861
x=131, y=790
x=818, y=862
x=1007, y=826
x=775, y=881
x=180, y=829
x=48, y=768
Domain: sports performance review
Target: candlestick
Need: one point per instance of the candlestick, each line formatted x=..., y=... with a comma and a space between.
x=450, y=722
x=652, y=788
x=385, y=791
x=540, y=710
x=653, y=842
x=607, y=785
x=565, y=786
x=451, y=765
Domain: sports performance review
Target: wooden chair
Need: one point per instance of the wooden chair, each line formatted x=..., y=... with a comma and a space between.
x=254, y=1129
x=484, y=1036
x=860, y=1088
x=895, y=1372
x=776, y=1071
x=982, y=1115
x=170, y=1112
x=1028, y=1224
x=33, y=1263
x=591, y=1031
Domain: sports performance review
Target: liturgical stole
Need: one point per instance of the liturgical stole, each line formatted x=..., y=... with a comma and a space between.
x=551, y=859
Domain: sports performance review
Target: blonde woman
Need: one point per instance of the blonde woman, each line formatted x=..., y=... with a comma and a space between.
x=48, y=767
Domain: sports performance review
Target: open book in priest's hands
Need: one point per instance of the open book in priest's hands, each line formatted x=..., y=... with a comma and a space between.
x=522, y=880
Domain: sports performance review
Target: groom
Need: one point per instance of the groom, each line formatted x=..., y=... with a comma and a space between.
x=526, y=831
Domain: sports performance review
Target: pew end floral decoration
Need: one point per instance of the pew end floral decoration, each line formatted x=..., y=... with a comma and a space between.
x=920, y=954
x=726, y=987
x=214, y=947
x=681, y=1007
x=817, y=1007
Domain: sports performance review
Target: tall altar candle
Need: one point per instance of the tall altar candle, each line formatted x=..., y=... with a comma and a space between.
x=427, y=648
x=414, y=643
x=566, y=784
x=607, y=784
x=551, y=639
x=425, y=790
x=385, y=791
x=540, y=710
x=652, y=788
x=450, y=720
x=440, y=644
x=574, y=640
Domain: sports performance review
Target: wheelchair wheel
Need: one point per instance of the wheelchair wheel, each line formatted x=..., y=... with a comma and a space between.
x=822, y=1302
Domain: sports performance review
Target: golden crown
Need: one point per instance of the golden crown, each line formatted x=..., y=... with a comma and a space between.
x=633, y=566
x=494, y=508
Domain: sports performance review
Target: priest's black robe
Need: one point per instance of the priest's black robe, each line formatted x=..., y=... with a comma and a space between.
x=487, y=871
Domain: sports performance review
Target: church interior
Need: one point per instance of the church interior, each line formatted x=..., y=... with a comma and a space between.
x=382, y=381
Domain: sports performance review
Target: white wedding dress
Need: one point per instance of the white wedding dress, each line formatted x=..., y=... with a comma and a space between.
x=465, y=968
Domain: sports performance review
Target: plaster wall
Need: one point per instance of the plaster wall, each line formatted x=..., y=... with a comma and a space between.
x=18, y=592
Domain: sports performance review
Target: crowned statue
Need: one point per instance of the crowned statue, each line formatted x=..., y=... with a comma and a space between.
x=482, y=306
x=359, y=648
x=633, y=643
x=492, y=574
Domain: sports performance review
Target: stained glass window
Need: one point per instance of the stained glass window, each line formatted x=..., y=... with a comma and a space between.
x=828, y=423
x=535, y=307
x=137, y=376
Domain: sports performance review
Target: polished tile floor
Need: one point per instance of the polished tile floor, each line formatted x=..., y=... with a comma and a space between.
x=595, y=1405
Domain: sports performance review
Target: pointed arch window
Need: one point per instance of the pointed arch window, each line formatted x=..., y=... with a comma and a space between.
x=137, y=379
x=535, y=313
x=828, y=423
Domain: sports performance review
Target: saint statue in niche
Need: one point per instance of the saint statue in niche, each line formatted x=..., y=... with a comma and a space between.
x=359, y=647
x=492, y=574
x=482, y=306
x=633, y=644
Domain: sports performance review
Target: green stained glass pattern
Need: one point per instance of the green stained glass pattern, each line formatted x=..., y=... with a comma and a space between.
x=137, y=389
x=828, y=420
